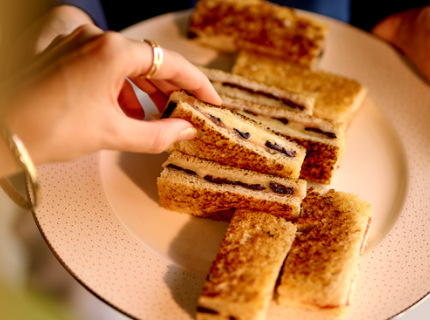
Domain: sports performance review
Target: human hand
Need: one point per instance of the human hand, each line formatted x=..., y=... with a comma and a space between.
x=61, y=20
x=68, y=106
x=409, y=31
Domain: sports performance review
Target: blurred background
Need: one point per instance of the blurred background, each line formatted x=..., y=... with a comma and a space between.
x=33, y=284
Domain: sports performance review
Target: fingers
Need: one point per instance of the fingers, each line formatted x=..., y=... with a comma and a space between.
x=64, y=44
x=129, y=103
x=175, y=73
x=149, y=136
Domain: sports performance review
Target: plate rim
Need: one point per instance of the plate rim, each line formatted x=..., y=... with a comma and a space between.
x=99, y=296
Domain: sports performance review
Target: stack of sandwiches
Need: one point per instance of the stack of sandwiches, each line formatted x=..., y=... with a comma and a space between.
x=337, y=98
x=288, y=114
x=281, y=125
x=277, y=47
x=253, y=184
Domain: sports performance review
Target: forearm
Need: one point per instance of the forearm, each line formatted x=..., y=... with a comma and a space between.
x=409, y=31
x=60, y=20
x=93, y=8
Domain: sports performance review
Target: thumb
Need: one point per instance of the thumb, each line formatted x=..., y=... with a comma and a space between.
x=152, y=136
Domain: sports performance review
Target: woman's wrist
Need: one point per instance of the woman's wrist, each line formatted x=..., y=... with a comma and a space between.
x=409, y=32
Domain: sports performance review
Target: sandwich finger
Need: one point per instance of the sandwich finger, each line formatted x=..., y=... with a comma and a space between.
x=152, y=136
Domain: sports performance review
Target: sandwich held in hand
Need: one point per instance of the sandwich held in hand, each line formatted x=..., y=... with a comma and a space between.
x=209, y=190
x=324, y=140
x=232, y=139
x=243, y=275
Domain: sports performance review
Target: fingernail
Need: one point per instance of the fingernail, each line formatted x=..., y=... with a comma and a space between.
x=187, y=134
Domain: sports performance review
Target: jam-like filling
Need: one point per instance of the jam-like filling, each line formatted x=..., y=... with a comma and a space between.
x=328, y=134
x=274, y=186
x=215, y=118
x=277, y=147
x=172, y=166
x=269, y=95
x=169, y=110
x=206, y=310
x=283, y=120
x=244, y=135
x=233, y=182
x=281, y=189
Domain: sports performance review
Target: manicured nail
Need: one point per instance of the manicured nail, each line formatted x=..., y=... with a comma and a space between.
x=187, y=134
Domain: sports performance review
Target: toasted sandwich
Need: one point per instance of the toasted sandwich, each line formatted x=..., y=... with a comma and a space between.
x=209, y=190
x=324, y=140
x=337, y=98
x=259, y=26
x=242, y=278
x=232, y=139
x=322, y=266
x=238, y=87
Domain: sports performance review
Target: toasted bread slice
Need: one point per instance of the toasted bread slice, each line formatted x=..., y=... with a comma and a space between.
x=238, y=87
x=233, y=139
x=322, y=267
x=259, y=26
x=209, y=190
x=324, y=140
x=242, y=278
x=337, y=98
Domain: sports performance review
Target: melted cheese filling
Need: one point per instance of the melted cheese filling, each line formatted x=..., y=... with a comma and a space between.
x=257, y=137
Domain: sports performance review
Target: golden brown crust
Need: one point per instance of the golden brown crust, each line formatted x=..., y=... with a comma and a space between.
x=321, y=160
x=238, y=87
x=323, y=155
x=215, y=202
x=324, y=260
x=258, y=26
x=215, y=145
x=241, y=280
x=338, y=97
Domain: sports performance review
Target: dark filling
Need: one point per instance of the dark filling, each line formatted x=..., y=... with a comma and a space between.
x=266, y=94
x=206, y=310
x=215, y=118
x=283, y=120
x=254, y=114
x=172, y=166
x=244, y=135
x=281, y=189
x=277, y=147
x=169, y=110
x=330, y=135
x=232, y=318
x=191, y=35
x=234, y=183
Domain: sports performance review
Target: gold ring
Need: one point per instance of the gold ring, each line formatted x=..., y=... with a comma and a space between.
x=157, y=60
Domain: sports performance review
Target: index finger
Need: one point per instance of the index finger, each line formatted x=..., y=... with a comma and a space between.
x=175, y=70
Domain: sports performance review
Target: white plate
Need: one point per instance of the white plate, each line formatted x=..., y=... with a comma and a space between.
x=101, y=216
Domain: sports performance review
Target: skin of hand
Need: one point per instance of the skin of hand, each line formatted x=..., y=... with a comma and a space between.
x=63, y=19
x=65, y=105
x=409, y=31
